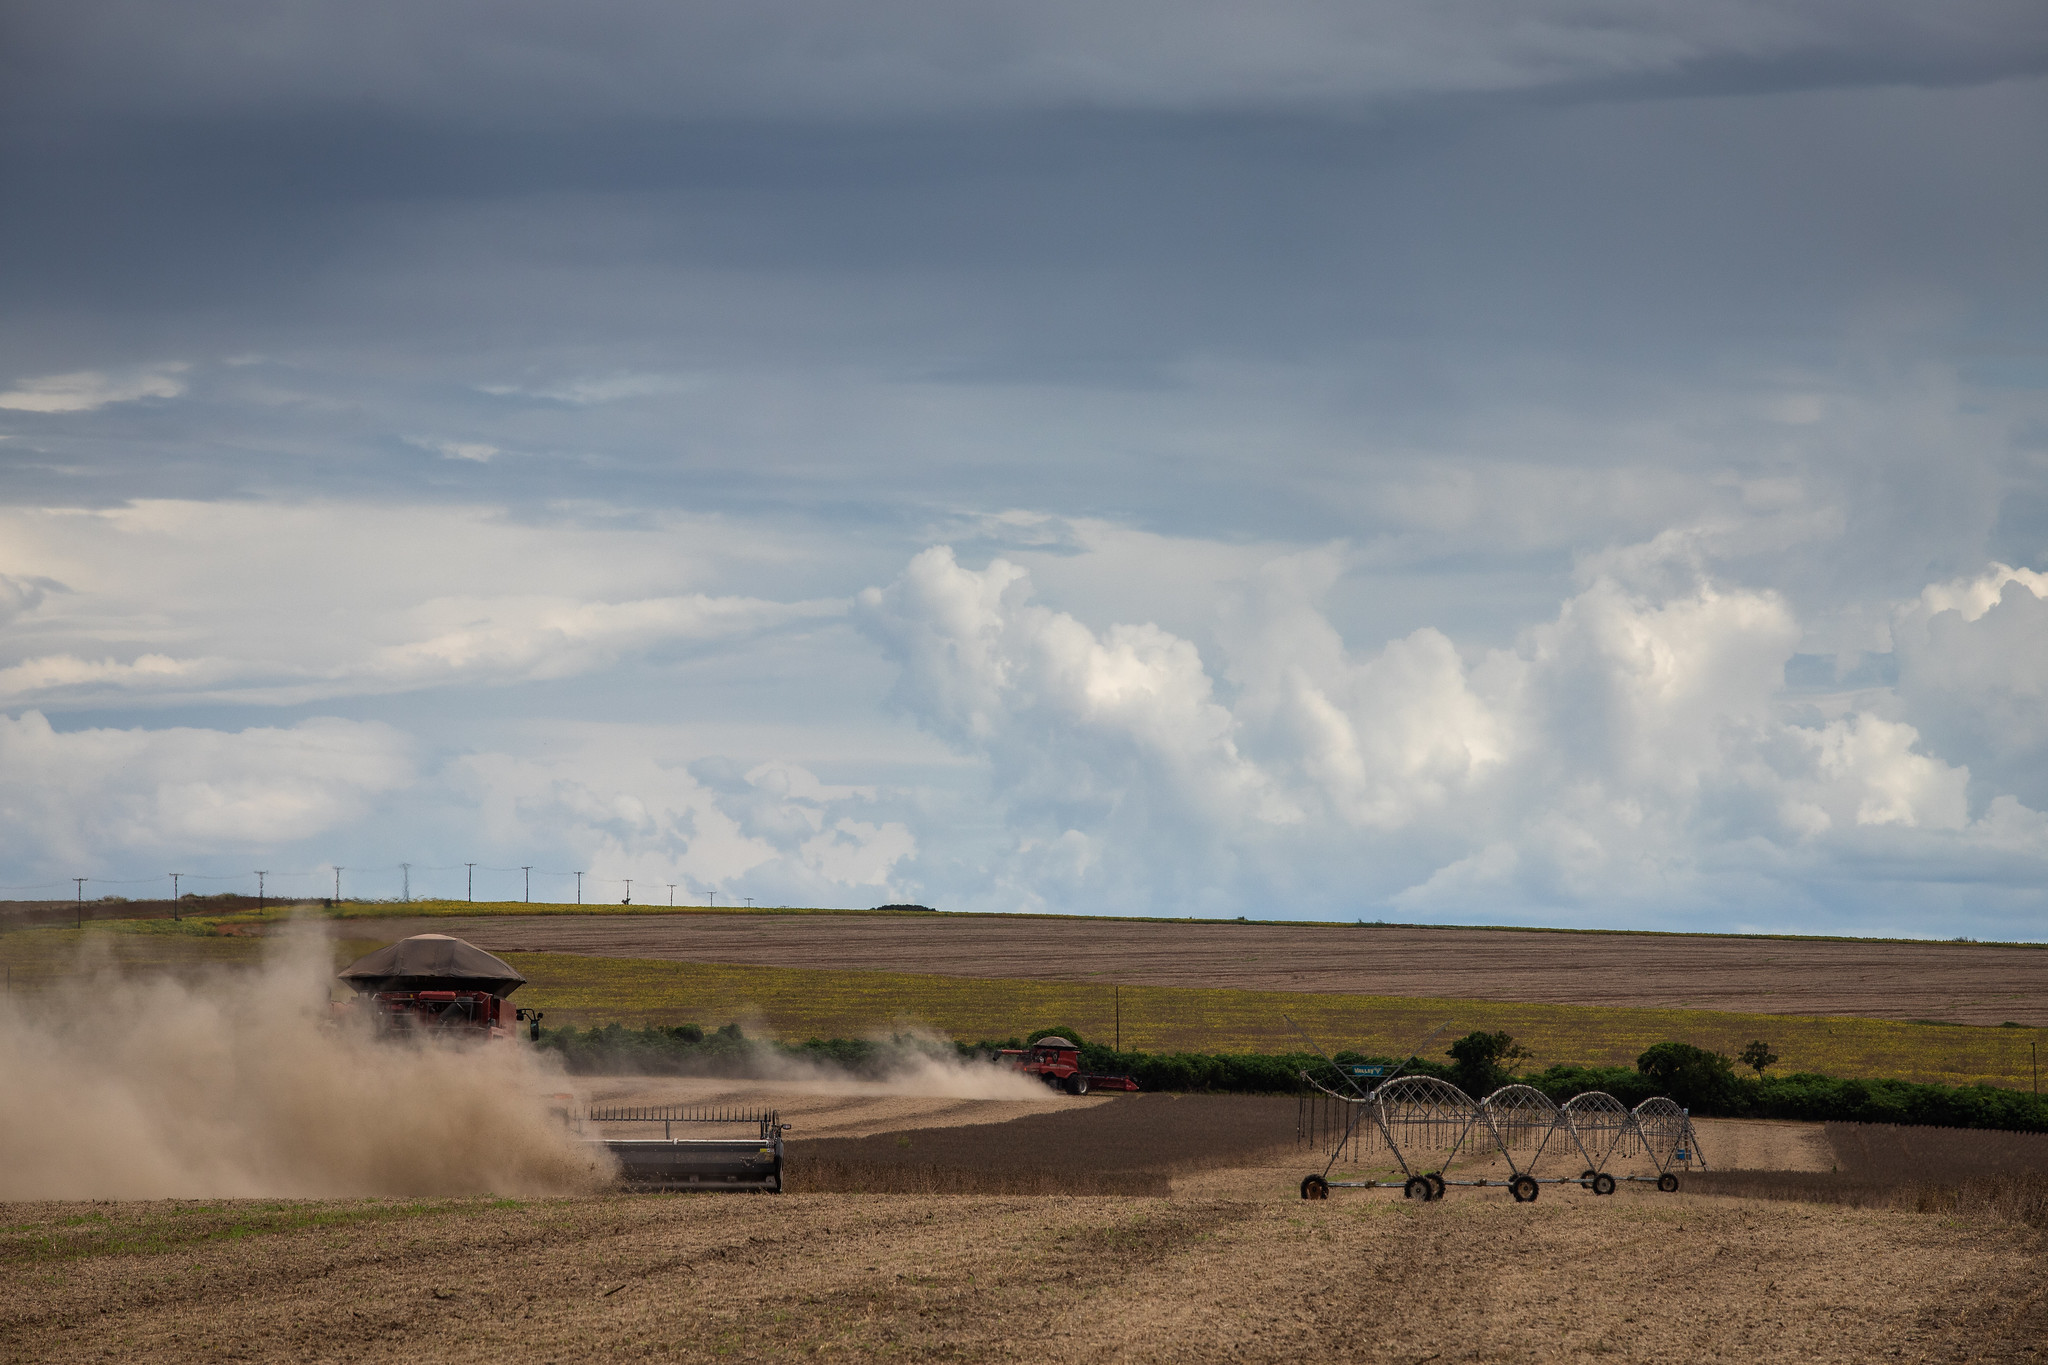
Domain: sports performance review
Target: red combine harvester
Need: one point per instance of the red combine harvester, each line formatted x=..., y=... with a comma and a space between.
x=436, y=982
x=1057, y=1062
x=432, y=985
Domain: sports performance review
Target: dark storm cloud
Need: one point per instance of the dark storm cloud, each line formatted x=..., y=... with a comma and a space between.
x=526, y=61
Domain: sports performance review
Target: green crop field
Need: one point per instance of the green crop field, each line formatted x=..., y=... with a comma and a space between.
x=798, y=1003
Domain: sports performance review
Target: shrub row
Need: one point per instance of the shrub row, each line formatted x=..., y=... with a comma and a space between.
x=1704, y=1082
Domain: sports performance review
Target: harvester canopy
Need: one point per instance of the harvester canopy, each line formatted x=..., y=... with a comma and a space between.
x=432, y=962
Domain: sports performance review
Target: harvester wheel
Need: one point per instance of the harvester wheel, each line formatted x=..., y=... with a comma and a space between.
x=1436, y=1184
x=1525, y=1189
x=1418, y=1187
x=1603, y=1183
x=1667, y=1182
x=1314, y=1187
x=1077, y=1084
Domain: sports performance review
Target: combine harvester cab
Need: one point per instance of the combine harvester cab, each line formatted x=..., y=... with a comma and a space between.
x=440, y=984
x=1057, y=1062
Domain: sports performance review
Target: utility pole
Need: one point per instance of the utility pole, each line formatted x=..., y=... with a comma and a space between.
x=1116, y=995
x=579, y=888
x=174, y=893
x=528, y=870
x=671, y=893
x=629, y=892
x=469, y=886
x=260, y=875
x=81, y=899
x=714, y=900
x=750, y=902
x=407, y=869
x=337, y=883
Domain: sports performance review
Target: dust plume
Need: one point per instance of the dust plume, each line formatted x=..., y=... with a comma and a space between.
x=240, y=1085
x=912, y=1062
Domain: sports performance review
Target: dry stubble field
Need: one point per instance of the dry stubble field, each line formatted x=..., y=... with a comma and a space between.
x=1222, y=1263
x=1189, y=1277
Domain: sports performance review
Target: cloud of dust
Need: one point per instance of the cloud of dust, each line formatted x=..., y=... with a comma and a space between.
x=240, y=1085
x=914, y=1062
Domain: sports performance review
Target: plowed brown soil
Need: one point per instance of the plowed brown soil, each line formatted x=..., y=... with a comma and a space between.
x=1952, y=982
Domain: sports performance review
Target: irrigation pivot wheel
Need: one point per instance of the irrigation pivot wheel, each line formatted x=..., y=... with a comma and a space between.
x=1314, y=1187
x=1667, y=1182
x=1418, y=1187
x=1602, y=1183
x=1436, y=1184
x=1586, y=1178
x=1525, y=1189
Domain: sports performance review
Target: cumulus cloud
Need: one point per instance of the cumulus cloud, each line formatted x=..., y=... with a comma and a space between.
x=1973, y=672
x=86, y=390
x=1638, y=747
x=83, y=797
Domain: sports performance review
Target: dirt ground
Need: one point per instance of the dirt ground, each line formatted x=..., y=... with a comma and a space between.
x=1229, y=1265
x=1952, y=982
x=1240, y=1273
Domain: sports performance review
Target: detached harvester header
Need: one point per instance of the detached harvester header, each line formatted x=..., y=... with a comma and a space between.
x=437, y=985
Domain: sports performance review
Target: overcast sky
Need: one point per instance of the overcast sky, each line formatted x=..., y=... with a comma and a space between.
x=1460, y=461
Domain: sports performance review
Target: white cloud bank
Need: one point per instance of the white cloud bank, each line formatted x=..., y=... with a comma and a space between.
x=1635, y=751
x=68, y=798
x=1636, y=757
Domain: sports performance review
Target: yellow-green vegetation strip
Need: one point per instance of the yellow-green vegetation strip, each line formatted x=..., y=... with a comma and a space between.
x=158, y=1228
x=432, y=909
x=30, y=958
x=794, y=1003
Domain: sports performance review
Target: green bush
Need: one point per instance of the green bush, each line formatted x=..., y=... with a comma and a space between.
x=1704, y=1082
x=1694, y=1077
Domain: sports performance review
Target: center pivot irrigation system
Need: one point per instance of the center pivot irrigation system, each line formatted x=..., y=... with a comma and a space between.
x=1425, y=1125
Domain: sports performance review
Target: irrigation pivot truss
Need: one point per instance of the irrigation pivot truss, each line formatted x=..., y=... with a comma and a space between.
x=1419, y=1127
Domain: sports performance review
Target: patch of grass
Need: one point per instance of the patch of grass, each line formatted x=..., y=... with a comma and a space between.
x=797, y=1003
x=157, y=1229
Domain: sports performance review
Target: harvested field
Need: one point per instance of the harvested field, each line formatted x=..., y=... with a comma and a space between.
x=1230, y=1265
x=1129, y=1145
x=1951, y=982
x=1637, y=1277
